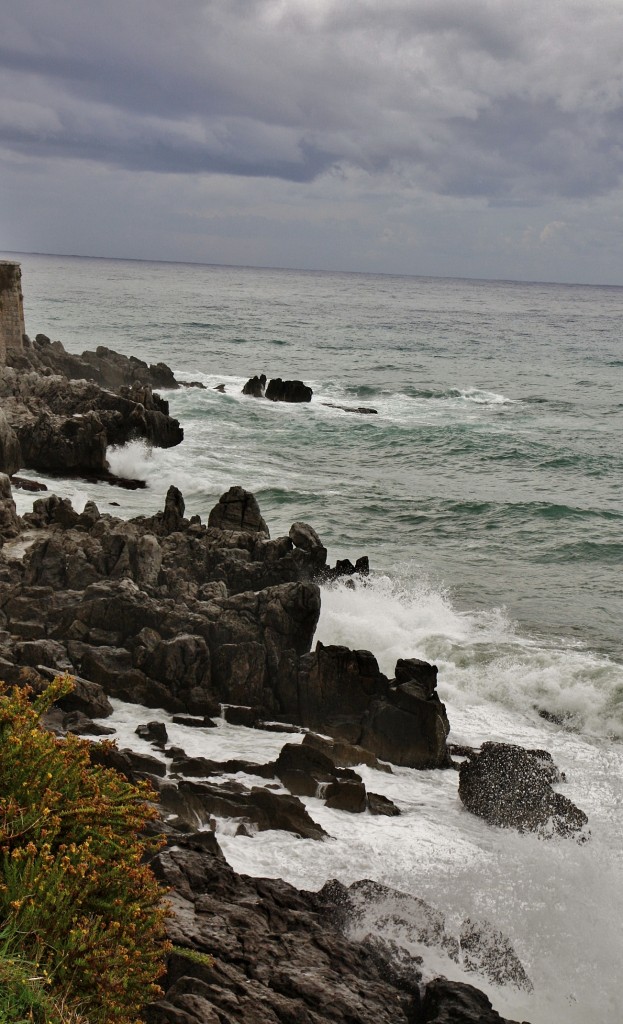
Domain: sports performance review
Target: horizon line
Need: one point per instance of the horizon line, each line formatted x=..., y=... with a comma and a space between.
x=316, y=270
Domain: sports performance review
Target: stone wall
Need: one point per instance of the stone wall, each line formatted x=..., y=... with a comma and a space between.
x=11, y=309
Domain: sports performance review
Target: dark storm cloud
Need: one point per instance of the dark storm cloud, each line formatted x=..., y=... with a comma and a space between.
x=481, y=98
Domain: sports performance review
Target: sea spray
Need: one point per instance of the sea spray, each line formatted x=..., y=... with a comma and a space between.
x=482, y=656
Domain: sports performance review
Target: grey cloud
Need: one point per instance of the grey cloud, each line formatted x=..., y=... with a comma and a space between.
x=463, y=97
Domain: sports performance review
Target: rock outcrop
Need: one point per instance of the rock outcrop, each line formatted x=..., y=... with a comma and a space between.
x=258, y=951
x=168, y=612
x=58, y=419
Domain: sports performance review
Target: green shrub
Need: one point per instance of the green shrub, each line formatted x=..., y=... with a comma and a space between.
x=76, y=898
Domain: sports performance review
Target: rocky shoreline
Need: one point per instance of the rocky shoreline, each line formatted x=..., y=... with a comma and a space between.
x=214, y=619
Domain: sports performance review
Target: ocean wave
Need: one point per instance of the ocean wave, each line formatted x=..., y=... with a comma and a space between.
x=481, y=655
x=531, y=510
x=478, y=396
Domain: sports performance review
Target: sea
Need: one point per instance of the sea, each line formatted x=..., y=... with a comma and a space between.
x=486, y=488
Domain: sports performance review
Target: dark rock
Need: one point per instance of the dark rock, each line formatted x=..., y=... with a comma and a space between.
x=76, y=721
x=335, y=686
x=343, y=754
x=304, y=770
x=174, y=507
x=107, y=368
x=415, y=738
x=85, y=696
x=24, y=484
x=344, y=567
x=202, y=767
x=236, y=715
x=487, y=951
x=364, y=410
x=511, y=787
x=62, y=722
x=304, y=536
x=254, y=387
x=276, y=956
x=378, y=804
x=348, y=795
x=154, y=732
x=9, y=520
x=452, y=1002
x=301, y=757
x=279, y=390
x=128, y=762
x=238, y=509
x=417, y=671
x=261, y=807
x=64, y=426
x=196, y=723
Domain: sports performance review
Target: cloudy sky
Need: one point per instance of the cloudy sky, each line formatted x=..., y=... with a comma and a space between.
x=478, y=138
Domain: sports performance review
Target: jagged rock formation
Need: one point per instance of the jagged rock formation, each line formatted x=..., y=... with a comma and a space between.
x=59, y=413
x=168, y=612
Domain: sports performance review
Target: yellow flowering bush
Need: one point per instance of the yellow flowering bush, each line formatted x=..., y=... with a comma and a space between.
x=76, y=897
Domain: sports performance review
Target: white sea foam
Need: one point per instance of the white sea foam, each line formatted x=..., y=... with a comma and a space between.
x=560, y=903
x=481, y=656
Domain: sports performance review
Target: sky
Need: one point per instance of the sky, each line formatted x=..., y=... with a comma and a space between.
x=461, y=138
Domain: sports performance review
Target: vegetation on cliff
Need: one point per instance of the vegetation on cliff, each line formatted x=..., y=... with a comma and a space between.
x=81, y=915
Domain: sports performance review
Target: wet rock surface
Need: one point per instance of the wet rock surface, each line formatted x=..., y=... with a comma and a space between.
x=512, y=788
x=274, y=953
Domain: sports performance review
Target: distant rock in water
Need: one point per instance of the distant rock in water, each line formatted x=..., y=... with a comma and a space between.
x=277, y=390
x=364, y=410
x=255, y=386
x=511, y=787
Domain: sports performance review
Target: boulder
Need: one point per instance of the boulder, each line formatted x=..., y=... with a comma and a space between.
x=511, y=787
x=346, y=795
x=262, y=808
x=453, y=1002
x=378, y=804
x=238, y=509
x=154, y=732
x=255, y=386
x=64, y=444
x=279, y=390
x=126, y=761
x=304, y=536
